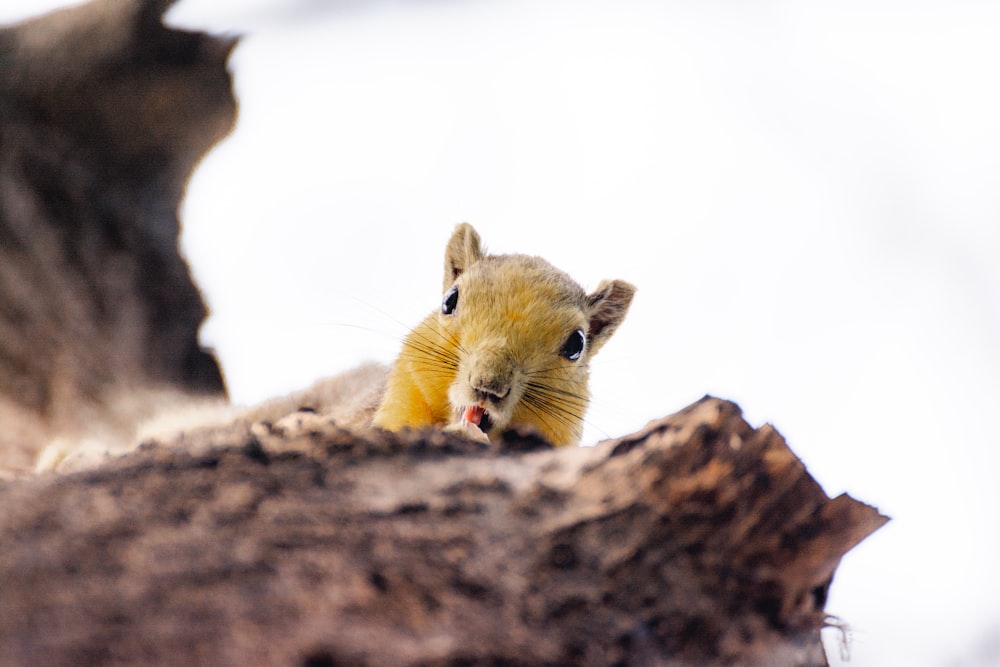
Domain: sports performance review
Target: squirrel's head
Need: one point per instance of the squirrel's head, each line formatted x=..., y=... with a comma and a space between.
x=512, y=342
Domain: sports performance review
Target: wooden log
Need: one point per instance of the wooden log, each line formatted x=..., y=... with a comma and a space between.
x=698, y=540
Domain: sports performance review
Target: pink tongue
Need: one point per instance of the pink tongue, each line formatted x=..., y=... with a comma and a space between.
x=474, y=414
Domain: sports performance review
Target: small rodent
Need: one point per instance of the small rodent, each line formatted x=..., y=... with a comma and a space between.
x=510, y=346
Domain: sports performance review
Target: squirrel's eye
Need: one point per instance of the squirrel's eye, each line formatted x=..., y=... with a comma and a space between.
x=450, y=301
x=573, y=347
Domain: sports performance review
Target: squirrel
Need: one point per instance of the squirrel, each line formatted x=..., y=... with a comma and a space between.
x=510, y=346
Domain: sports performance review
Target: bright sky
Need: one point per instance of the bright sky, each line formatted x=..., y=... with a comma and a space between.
x=806, y=195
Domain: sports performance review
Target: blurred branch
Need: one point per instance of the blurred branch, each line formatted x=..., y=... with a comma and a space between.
x=104, y=112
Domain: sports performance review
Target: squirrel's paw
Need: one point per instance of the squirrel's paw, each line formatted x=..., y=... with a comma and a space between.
x=470, y=431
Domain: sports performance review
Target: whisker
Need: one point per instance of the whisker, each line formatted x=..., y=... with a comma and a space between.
x=557, y=393
x=552, y=373
x=348, y=325
x=436, y=372
x=575, y=421
x=535, y=410
x=448, y=338
x=372, y=306
x=563, y=379
x=430, y=353
x=430, y=367
x=565, y=370
x=421, y=343
x=544, y=414
x=417, y=331
x=419, y=336
x=567, y=412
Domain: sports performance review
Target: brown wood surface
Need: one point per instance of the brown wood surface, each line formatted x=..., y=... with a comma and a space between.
x=699, y=540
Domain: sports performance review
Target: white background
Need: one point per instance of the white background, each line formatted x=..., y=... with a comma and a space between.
x=806, y=194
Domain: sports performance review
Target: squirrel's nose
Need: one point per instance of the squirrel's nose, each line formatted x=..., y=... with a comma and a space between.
x=491, y=372
x=490, y=388
x=493, y=389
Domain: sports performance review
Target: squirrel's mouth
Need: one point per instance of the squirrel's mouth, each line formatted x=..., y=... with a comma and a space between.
x=477, y=416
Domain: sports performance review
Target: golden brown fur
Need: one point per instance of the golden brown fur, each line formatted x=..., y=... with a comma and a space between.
x=508, y=346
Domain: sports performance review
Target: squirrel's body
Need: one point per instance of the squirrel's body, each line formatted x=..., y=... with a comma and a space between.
x=510, y=347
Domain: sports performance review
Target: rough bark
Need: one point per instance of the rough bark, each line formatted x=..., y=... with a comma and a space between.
x=699, y=540
x=103, y=114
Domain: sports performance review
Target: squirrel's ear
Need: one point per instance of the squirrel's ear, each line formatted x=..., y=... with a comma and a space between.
x=606, y=309
x=464, y=250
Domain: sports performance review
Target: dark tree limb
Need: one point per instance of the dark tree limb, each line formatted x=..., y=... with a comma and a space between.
x=699, y=540
x=104, y=112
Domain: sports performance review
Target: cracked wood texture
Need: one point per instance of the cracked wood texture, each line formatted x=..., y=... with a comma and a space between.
x=103, y=114
x=699, y=540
